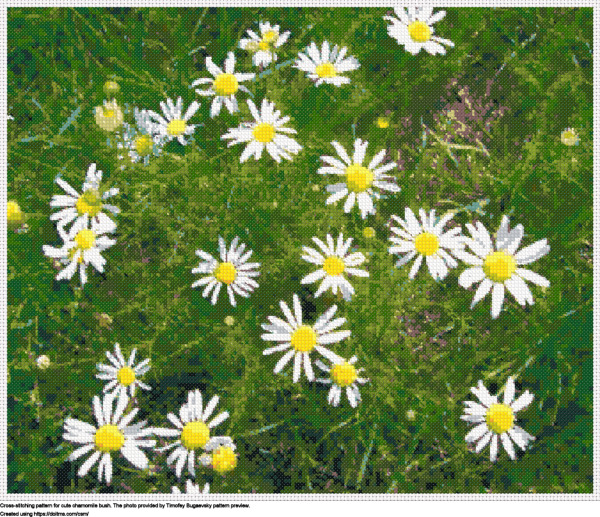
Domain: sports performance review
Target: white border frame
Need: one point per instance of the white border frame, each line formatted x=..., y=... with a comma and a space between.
x=122, y=498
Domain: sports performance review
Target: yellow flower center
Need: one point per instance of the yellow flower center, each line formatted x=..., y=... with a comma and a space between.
x=499, y=266
x=126, y=376
x=334, y=266
x=253, y=46
x=195, y=435
x=143, y=145
x=109, y=113
x=225, y=273
x=269, y=36
x=13, y=211
x=304, y=339
x=225, y=84
x=85, y=239
x=111, y=87
x=326, y=70
x=263, y=132
x=358, y=178
x=90, y=202
x=383, y=122
x=499, y=418
x=224, y=460
x=176, y=127
x=419, y=31
x=569, y=137
x=109, y=438
x=426, y=244
x=369, y=232
x=343, y=374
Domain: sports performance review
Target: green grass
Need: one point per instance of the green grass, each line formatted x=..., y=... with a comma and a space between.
x=527, y=73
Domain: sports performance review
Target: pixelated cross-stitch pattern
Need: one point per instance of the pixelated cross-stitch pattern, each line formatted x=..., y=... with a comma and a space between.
x=299, y=250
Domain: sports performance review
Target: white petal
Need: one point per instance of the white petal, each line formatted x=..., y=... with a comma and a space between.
x=532, y=277
x=89, y=463
x=509, y=391
x=135, y=456
x=471, y=276
x=518, y=288
x=477, y=432
x=497, y=299
x=297, y=366
x=522, y=402
x=494, y=448
x=283, y=361
x=415, y=267
x=210, y=407
x=532, y=253
x=308, y=367
x=482, y=291
x=508, y=446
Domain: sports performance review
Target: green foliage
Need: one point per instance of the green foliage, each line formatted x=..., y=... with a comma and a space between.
x=421, y=345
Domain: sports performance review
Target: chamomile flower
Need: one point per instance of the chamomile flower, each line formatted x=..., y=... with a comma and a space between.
x=82, y=246
x=497, y=420
x=123, y=377
x=143, y=140
x=414, y=29
x=343, y=374
x=263, y=46
x=360, y=180
x=326, y=66
x=224, y=85
x=220, y=455
x=191, y=488
x=110, y=116
x=14, y=214
x=112, y=434
x=569, y=137
x=43, y=362
x=174, y=124
x=88, y=204
x=301, y=339
x=335, y=262
x=426, y=239
x=497, y=266
x=192, y=431
x=264, y=133
x=234, y=271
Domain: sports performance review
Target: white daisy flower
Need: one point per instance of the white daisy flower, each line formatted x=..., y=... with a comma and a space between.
x=192, y=431
x=234, y=271
x=221, y=455
x=415, y=29
x=263, y=46
x=89, y=203
x=496, y=419
x=360, y=180
x=113, y=433
x=326, y=66
x=569, y=137
x=123, y=376
x=302, y=339
x=343, y=374
x=500, y=269
x=426, y=239
x=142, y=141
x=110, y=116
x=265, y=132
x=334, y=263
x=174, y=124
x=82, y=246
x=191, y=488
x=224, y=85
